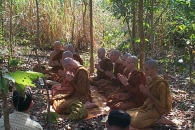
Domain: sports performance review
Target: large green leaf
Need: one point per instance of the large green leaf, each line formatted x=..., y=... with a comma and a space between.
x=24, y=78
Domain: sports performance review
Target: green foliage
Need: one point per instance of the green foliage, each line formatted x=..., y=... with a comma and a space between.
x=4, y=85
x=14, y=62
x=22, y=79
x=53, y=115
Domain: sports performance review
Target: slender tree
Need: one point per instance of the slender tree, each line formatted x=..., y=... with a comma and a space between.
x=141, y=34
x=91, y=38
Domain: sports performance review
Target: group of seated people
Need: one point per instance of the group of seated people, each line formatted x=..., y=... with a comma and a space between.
x=144, y=95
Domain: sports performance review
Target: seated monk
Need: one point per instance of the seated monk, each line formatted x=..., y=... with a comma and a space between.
x=54, y=59
x=104, y=65
x=65, y=85
x=158, y=102
x=125, y=73
x=76, y=57
x=124, y=57
x=130, y=95
x=105, y=86
x=80, y=86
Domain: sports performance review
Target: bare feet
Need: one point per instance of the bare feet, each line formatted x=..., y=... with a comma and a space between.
x=89, y=105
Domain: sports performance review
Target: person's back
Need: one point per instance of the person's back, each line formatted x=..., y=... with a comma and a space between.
x=20, y=119
x=118, y=120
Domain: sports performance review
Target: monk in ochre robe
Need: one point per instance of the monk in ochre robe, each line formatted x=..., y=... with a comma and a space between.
x=54, y=62
x=105, y=86
x=103, y=65
x=76, y=57
x=65, y=85
x=158, y=102
x=129, y=96
x=80, y=86
x=55, y=57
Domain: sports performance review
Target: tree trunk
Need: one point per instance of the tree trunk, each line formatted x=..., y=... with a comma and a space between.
x=38, y=45
x=10, y=31
x=91, y=38
x=134, y=28
x=73, y=20
x=142, y=38
x=5, y=105
x=84, y=14
x=152, y=28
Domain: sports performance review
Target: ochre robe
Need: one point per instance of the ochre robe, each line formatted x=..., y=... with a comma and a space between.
x=57, y=57
x=106, y=65
x=152, y=110
x=129, y=96
x=105, y=86
x=80, y=91
x=63, y=88
x=53, y=73
x=78, y=58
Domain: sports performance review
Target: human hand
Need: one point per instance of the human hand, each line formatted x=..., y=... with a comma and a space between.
x=144, y=89
x=109, y=74
x=69, y=77
x=97, y=66
x=55, y=63
x=61, y=73
x=123, y=79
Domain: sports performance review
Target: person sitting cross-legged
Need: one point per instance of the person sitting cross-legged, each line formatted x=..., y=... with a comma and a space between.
x=103, y=65
x=20, y=119
x=158, y=101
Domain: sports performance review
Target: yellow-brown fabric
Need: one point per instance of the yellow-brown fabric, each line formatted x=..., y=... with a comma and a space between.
x=52, y=73
x=152, y=110
x=80, y=91
x=78, y=58
x=105, y=86
x=129, y=96
x=63, y=88
x=106, y=65
x=57, y=57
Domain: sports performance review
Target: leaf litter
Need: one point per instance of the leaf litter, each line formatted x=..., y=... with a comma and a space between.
x=183, y=106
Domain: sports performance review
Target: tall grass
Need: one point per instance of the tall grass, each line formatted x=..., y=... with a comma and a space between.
x=64, y=20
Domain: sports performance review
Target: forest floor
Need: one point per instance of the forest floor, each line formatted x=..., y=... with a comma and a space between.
x=183, y=109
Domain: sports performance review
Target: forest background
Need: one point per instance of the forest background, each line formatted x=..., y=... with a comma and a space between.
x=160, y=29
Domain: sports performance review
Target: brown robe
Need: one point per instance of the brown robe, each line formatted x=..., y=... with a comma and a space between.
x=152, y=110
x=57, y=57
x=63, y=88
x=80, y=91
x=105, y=86
x=52, y=73
x=129, y=96
x=78, y=58
x=106, y=65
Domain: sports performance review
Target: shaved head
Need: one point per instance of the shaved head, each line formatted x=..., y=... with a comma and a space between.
x=151, y=63
x=115, y=52
x=67, y=54
x=126, y=55
x=69, y=47
x=102, y=50
x=57, y=46
x=114, y=55
x=57, y=43
x=101, y=53
x=133, y=59
x=67, y=61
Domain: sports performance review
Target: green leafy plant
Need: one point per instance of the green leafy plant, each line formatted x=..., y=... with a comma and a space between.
x=22, y=79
